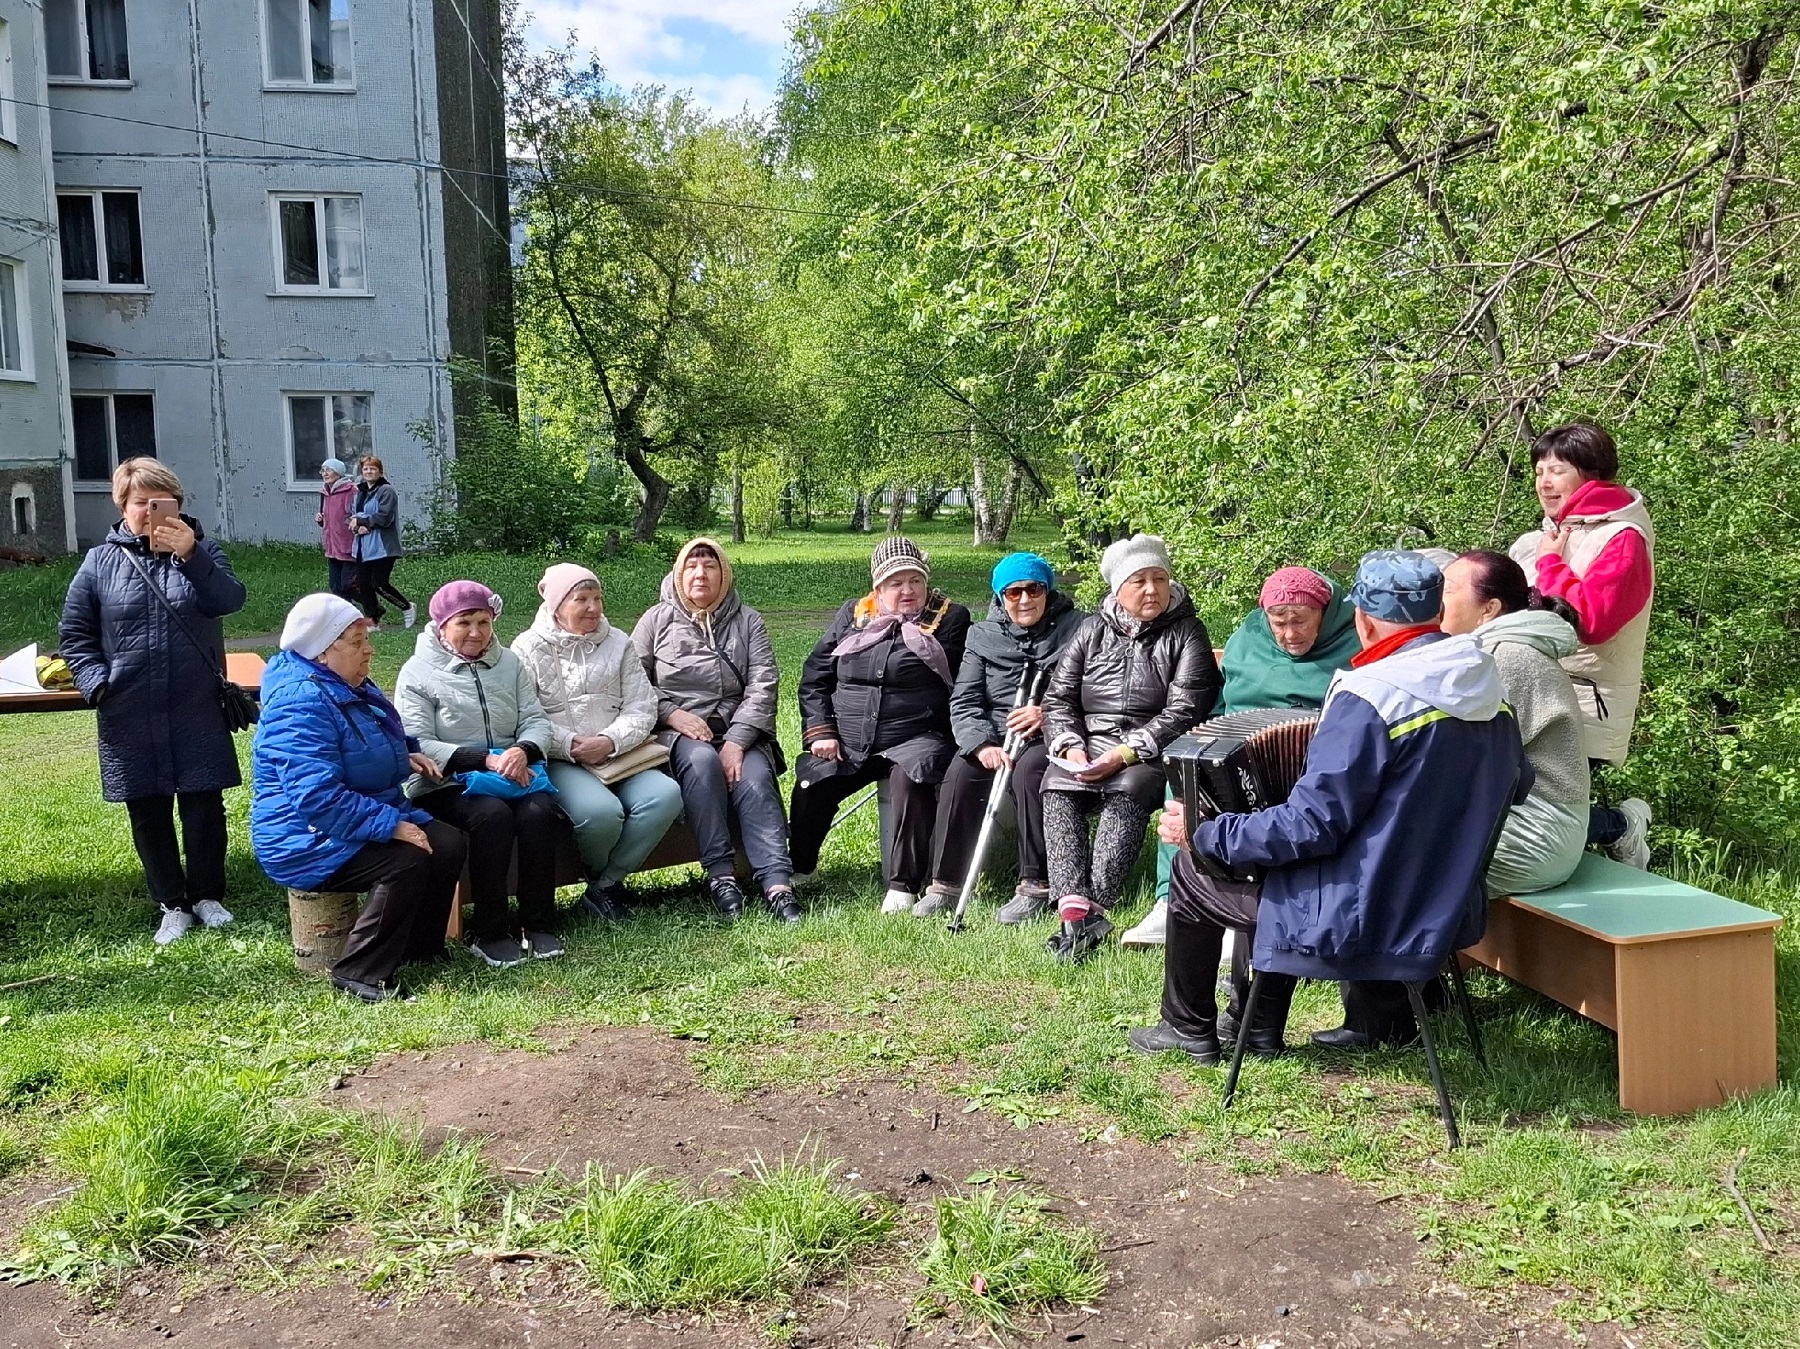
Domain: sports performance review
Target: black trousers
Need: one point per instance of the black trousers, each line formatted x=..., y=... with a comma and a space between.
x=375, y=581
x=962, y=801
x=533, y=826
x=171, y=884
x=1201, y=907
x=913, y=806
x=408, y=906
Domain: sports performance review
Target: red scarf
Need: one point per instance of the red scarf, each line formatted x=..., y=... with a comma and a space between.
x=1387, y=646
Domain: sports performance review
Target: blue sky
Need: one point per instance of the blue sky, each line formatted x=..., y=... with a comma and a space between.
x=728, y=52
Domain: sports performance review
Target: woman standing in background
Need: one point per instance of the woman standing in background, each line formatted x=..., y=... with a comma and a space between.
x=375, y=521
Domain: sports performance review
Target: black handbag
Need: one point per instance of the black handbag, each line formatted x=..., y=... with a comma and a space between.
x=238, y=705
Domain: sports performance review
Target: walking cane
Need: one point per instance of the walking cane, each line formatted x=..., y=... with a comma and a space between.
x=1031, y=688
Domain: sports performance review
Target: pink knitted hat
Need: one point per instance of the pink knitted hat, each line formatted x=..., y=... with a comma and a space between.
x=562, y=577
x=459, y=597
x=1296, y=585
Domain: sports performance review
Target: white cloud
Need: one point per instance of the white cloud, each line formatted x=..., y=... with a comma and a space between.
x=634, y=44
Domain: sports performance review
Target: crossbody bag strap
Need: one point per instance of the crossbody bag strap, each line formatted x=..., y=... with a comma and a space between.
x=186, y=631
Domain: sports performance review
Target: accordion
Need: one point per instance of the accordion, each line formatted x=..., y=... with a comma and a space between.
x=1239, y=763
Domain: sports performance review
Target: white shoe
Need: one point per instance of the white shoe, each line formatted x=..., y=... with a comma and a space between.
x=899, y=901
x=411, y=616
x=212, y=913
x=1633, y=846
x=1153, y=931
x=176, y=923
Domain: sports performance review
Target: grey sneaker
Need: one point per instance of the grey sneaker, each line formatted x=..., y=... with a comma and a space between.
x=498, y=952
x=212, y=913
x=1153, y=931
x=544, y=945
x=936, y=899
x=1633, y=846
x=1028, y=902
x=176, y=924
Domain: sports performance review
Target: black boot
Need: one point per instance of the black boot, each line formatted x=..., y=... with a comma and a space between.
x=1265, y=1036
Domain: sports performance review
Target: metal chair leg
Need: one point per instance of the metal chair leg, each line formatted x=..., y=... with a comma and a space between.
x=1415, y=994
x=1461, y=985
x=1243, y=1035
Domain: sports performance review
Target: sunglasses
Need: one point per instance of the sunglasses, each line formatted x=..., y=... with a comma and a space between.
x=1028, y=590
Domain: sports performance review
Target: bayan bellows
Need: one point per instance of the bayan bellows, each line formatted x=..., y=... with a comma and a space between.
x=1239, y=763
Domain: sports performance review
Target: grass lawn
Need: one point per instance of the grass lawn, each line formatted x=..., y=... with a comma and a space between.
x=1623, y=1219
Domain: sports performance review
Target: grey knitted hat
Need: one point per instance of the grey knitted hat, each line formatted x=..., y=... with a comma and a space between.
x=1127, y=557
x=896, y=554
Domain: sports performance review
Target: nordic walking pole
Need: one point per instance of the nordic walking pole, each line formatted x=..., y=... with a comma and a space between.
x=1031, y=688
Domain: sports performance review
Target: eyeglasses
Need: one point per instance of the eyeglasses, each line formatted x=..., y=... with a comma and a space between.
x=1028, y=590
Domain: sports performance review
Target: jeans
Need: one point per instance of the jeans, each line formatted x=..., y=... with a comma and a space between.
x=962, y=802
x=710, y=804
x=408, y=906
x=616, y=826
x=533, y=824
x=375, y=579
x=172, y=885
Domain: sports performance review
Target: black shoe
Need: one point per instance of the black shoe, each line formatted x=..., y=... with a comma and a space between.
x=544, y=945
x=727, y=898
x=1227, y=1027
x=1345, y=1038
x=1163, y=1038
x=356, y=988
x=1078, y=940
x=784, y=904
x=605, y=903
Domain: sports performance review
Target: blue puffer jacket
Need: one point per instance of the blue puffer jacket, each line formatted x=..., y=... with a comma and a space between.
x=325, y=772
x=160, y=727
x=1375, y=859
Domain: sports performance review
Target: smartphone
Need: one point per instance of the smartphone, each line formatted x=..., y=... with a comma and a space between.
x=163, y=510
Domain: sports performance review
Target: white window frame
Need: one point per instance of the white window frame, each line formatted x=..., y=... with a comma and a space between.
x=297, y=484
x=112, y=434
x=9, y=110
x=27, y=371
x=87, y=52
x=279, y=249
x=93, y=194
x=307, y=84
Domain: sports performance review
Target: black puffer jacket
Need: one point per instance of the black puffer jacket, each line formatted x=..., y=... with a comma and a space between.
x=161, y=730
x=996, y=654
x=882, y=700
x=1161, y=681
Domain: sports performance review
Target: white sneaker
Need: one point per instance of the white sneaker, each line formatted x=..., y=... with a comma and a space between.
x=1153, y=931
x=899, y=901
x=212, y=913
x=176, y=923
x=411, y=616
x=1633, y=846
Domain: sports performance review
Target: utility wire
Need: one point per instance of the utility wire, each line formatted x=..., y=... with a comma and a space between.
x=353, y=156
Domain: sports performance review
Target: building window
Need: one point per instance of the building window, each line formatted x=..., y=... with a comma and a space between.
x=109, y=429
x=325, y=426
x=15, y=330
x=319, y=244
x=307, y=42
x=24, y=509
x=85, y=40
x=102, y=244
x=9, y=118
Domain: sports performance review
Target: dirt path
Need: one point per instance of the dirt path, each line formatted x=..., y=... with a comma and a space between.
x=1197, y=1255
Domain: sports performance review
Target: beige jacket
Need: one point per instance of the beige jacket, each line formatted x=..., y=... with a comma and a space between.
x=591, y=685
x=1607, y=677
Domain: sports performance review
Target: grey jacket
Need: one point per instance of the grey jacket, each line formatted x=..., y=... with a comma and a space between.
x=449, y=703
x=378, y=507
x=1527, y=647
x=719, y=666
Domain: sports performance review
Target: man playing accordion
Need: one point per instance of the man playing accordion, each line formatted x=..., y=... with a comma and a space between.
x=1371, y=869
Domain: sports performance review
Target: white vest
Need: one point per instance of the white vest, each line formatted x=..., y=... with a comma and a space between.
x=1607, y=677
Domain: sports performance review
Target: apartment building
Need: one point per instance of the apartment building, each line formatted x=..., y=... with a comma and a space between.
x=277, y=224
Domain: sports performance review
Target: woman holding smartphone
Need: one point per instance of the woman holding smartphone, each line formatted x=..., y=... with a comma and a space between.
x=142, y=636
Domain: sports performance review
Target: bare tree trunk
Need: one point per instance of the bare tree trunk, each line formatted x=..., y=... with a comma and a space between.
x=656, y=489
x=737, y=503
x=979, y=499
x=787, y=506
x=929, y=500
x=897, y=508
x=860, y=513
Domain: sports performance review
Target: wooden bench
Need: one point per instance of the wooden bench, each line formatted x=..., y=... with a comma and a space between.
x=1685, y=978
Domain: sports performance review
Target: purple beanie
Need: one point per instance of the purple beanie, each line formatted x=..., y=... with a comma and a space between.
x=1296, y=585
x=458, y=597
